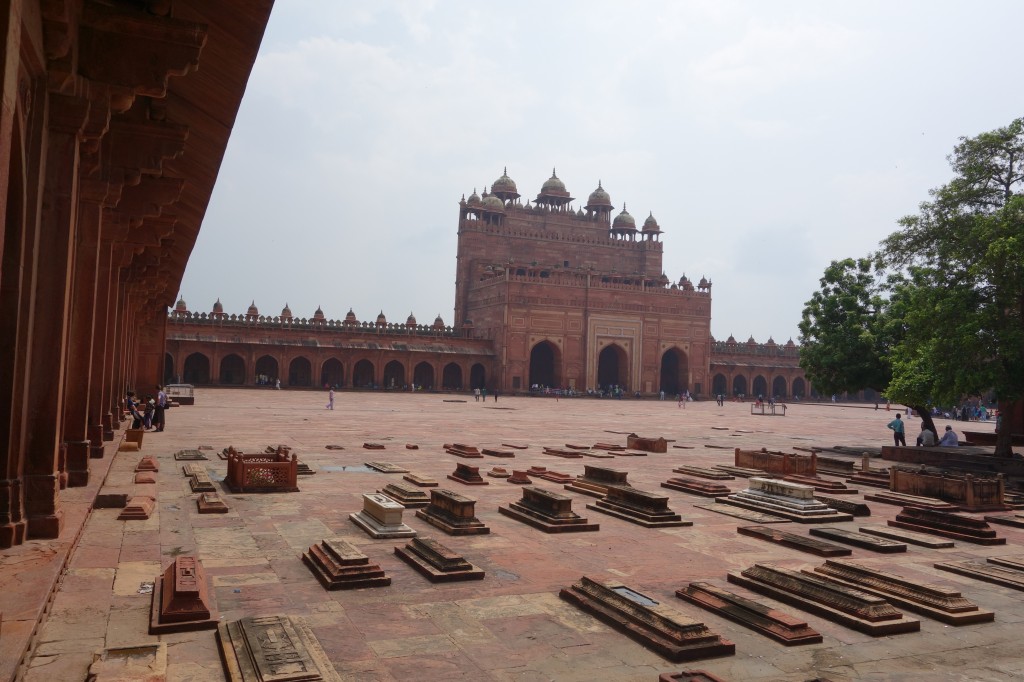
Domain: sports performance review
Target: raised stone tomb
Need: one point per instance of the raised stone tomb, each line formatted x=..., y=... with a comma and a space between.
x=792, y=501
x=695, y=487
x=1005, y=571
x=548, y=511
x=381, y=517
x=841, y=604
x=182, y=599
x=703, y=472
x=821, y=485
x=942, y=603
x=794, y=541
x=420, y=480
x=641, y=507
x=947, y=524
x=409, y=496
x=862, y=540
x=138, y=508
x=562, y=452
x=339, y=565
x=462, y=450
x=147, y=463
x=657, y=445
x=844, y=505
x=765, y=620
x=453, y=513
x=777, y=463
x=145, y=477
x=519, y=478
x=496, y=452
x=467, y=475
x=549, y=475
x=498, y=472
x=436, y=562
x=210, y=503
x=642, y=619
x=596, y=480
x=273, y=649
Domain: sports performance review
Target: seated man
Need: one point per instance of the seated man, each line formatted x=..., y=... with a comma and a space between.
x=926, y=437
x=949, y=438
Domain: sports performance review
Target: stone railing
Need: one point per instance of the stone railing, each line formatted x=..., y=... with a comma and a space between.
x=969, y=492
x=779, y=463
x=262, y=473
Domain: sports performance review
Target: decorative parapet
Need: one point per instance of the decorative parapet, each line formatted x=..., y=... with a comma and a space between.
x=335, y=326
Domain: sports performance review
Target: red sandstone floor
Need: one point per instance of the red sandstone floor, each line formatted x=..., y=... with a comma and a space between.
x=511, y=625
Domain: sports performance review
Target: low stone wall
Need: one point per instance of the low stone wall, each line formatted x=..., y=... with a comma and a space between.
x=779, y=463
x=968, y=492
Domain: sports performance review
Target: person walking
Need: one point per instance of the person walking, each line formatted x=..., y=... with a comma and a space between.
x=330, y=399
x=160, y=415
x=899, y=436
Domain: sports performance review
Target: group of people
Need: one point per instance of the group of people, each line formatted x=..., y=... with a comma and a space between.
x=927, y=437
x=148, y=414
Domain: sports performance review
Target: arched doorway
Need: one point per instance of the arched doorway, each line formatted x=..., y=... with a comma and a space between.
x=799, y=388
x=232, y=370
x=544, y=364
x=760, y=386
x=267, y=372
x=720, y=385
x=477, y=376
x=197, y=369
x=168, y=369
x=612, y=367
x=332, y=373
x=451, y=377
x=779, y=387
x=739, y=385
x=394, y=375
x=674, y=372
x=300, y=372
x=423, y=375
x=362, y=374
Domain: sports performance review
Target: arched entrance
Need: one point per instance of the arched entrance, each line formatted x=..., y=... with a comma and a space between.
x=197, y=369
x=300, y=373
x=232, y=370
x=394, y=375
x=760, y=386
x=739, y=385
x=612, y=367
x=720, y=385
x=674, y=372
x=168, y=369
x=332, y=373
x=477, y=376
x=267, y=372
x=779, y=387
x=362, y=374
x=799, y=388
x=544, y=363
x=423, y=375
x=451, y=377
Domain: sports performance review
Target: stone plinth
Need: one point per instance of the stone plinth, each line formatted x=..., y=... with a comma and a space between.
x=494, y=452
x=519, y=478
x=453, y=513
x=549, y=475
x=644, y=508
x=421, y=481
x=498, y=472
x=794, y=541
x=272, y=648
x=386, y=467
x=905, y=500
x=339, y=565
x=596, y=480
x=862, y=540
x=381, y=517
x=778, y=463
x=182, y=599
x=667, y=633
x=841, y=604
x=1005, y=571
x=792, y=501
x=437, y=563
x=948, y=525
x=462, y=450
x=145, y=477
x=765, y=620
x=409, y=496
x=147, y=463
x=138, y=508
x=942, y=603
x=211, y=503
x=468, y=475
x=703, y=472
x=695, y=487
x=659, y=445
x=548, y=511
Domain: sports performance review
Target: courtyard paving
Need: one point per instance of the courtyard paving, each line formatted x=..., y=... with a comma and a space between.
x=511, y=625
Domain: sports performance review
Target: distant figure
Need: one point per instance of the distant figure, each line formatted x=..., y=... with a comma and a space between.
x=661, y=395
x=495, y=395
x=898, y=435
x=483, y=393
x=330, y=400
x=927, y=437
x=949, y=438
x=277, y=384
x=476, y=395
x=833, y=397
x=160, y=417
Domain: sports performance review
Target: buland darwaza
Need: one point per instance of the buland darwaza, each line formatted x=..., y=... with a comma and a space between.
x=545, y=296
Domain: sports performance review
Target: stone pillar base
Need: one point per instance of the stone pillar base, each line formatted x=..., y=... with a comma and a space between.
x=94, y=432
x=77, y=463
x=108, y=426
x=97, y=451
x=45, y=527
x=12, y=534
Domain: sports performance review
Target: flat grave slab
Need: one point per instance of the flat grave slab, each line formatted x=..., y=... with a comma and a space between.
x=436, y=562
x=186, y=455
x=1015, y=520
x=794, y=541
x=146, y=661
x=740, y=513
x=703, y=472
x=496, y=452
x=274, y=648
x=386, y=467
x=1005, y=571
x=947, y=524
x=562, y=452
x=689, y=676
x=373, y=446
x=862, y=540
x=765, y=620
x=696, y=487
x=907, y=536
x=904, y=500
x=846, y=506
x=743, y=472
x=420, y=480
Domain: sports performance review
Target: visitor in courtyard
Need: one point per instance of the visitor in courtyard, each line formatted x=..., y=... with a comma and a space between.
x=330, y=400
x=483, y=393
x=277, y=384
x=131, y=403
x=927, y=437
x=147, y=414
x=949, y=438
x=495, y=395
x=898, y=435
x=476, y=395
x=160, y=417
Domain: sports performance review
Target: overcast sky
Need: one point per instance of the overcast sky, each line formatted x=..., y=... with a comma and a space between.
x=768, y=138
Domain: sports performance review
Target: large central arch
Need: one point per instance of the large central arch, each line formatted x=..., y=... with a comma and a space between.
x=613, y=367
x=362, y=374
x=332, y=373
x=451, y=377
x=545, y=360
x=197, y=369
x=232, y=370
x=394, y=375
x=674, y=372
x=300, y=372
x=267, y=371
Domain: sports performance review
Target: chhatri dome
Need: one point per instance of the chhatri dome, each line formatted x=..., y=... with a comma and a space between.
x=651, y=225
x=253, y=311
x=180, y=306
x=218, y=307
x=286, y=311
x=624, y=221
x=438, y=322
x=474, y=199
x=599, y=198
x=350, y=317
x=411, y=320
x=505, y=187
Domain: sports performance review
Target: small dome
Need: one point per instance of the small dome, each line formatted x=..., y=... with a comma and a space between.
x=350, y=317
x=552, y=185
x=683, y=280
x=218, y=307
x=703, y=283
x=493, y=204
x=410, y=321
x=253, y=310
x=751, y=341
x=790, y=344
x=624, y=221
x=180, y=306
x=599, y=198
x=319, y=314
x=286, y=311
x=770, y=342
x=474, y=199
x=381, y=320
x=651, y=225
x=731, y=339
x=505, y=187
x=438, y=322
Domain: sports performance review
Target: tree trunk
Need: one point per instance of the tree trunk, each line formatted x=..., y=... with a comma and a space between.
x=926, y=419
x=1004, y=438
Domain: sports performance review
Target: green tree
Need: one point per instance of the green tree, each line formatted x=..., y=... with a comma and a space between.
x=960, y=265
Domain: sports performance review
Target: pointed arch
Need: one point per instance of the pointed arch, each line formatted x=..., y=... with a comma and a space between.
x=674, y=372
x=232, y=370
x=300, y=372
x=613, y=366
x=423, y=375
x=363, y=374
x=394, y=375
x=332, y=373
x=451, y=377
x=545, y=362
